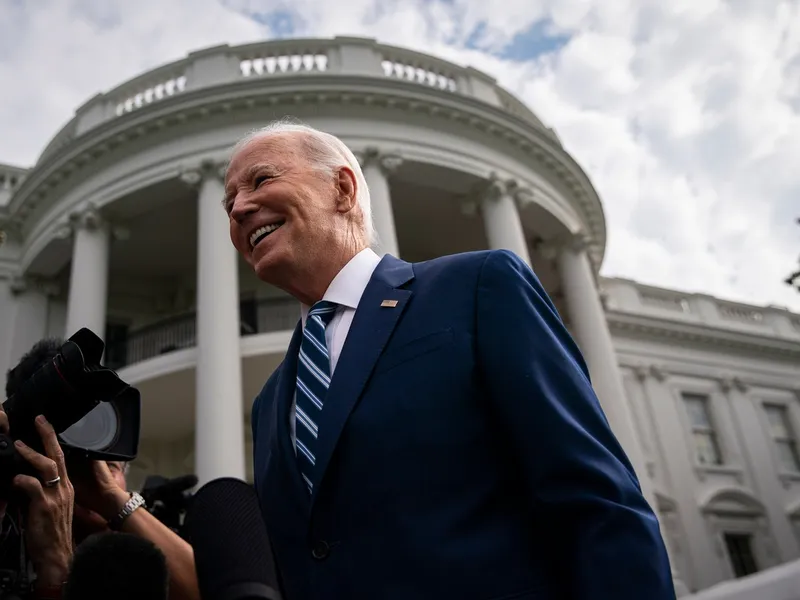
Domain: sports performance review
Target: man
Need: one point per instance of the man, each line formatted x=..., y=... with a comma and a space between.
x=432, y=431
x=80, y=504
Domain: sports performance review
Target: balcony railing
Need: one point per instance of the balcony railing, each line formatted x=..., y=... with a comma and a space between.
x=223, y=65
x=179, y=332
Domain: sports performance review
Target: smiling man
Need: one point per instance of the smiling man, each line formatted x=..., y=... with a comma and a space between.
x=432, y=431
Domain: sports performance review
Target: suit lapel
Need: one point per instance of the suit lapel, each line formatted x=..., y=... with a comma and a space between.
x=280, y=442
x=372, y=326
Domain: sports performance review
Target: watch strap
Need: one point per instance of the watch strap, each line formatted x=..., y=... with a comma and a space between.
x=134, y=502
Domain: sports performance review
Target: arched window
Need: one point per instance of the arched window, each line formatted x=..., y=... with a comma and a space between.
x=738, y=523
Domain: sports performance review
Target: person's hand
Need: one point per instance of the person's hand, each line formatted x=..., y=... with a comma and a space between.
x=86, y=522
x=48, y=532
x=97, y=492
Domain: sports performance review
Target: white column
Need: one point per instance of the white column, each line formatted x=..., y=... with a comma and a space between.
x=590, y=328
x=88, y=281
x=501, y=219
x=591, y=332
x=376, y=168
x=219, y=437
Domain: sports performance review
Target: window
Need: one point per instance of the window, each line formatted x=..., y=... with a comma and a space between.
x=705, y=438
x=740, y=552
x=783, y=436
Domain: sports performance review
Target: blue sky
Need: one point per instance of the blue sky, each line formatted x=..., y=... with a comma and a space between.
x=685, y=114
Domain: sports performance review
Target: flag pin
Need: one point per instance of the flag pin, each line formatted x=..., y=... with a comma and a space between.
x=389, y=303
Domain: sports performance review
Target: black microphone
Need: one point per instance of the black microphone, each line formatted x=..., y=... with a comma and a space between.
x=117, y=566
x=232, y=552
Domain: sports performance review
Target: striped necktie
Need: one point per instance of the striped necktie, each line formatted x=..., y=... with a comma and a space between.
x=313, y=379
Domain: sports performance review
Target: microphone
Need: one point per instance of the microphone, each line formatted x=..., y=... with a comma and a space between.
x=119, y=566
x=232, y=552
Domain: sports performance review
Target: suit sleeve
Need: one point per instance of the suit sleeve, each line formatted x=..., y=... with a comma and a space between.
x=605, y=538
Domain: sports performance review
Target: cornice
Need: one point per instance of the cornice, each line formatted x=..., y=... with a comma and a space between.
x=250, y=94
x=701, y=335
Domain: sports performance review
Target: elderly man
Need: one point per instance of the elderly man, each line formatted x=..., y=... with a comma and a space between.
x=432, y=431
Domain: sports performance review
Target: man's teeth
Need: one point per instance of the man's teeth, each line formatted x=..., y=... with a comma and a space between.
x=262, y=232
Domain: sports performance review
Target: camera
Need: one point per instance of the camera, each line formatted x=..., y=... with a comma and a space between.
x=95, y=414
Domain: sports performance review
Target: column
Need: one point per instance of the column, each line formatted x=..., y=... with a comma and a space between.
x=219, y=434
x=501, y=218
x=691, y=545
x=88, y=281
x=590, y=328
x=24, y=318
x=377, y=167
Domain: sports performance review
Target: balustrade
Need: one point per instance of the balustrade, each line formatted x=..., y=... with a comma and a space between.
x=337, y=56
x=179, y=332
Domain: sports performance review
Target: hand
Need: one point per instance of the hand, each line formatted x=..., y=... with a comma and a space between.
x=48, y=533
x=86, y=522
x=97, y=491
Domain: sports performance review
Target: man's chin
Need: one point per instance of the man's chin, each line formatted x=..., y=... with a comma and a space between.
x=267, y=269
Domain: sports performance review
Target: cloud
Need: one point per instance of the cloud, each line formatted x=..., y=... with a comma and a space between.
x=685, y=114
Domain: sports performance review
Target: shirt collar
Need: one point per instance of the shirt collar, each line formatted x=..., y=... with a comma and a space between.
x=349, y=284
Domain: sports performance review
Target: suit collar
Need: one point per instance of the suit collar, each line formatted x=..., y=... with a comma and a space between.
x=349, y=284
x=373, y=325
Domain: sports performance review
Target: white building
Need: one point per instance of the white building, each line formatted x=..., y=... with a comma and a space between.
x=118, y=227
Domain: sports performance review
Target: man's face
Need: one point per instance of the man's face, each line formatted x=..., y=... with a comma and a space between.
x=282, y=211
x=117, y=469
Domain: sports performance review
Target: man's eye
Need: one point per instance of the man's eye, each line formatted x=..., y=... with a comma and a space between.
x=259, y=180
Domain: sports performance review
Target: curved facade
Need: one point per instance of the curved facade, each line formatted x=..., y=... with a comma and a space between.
x=118, y=227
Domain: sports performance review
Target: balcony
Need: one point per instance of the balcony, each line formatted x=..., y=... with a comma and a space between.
x=179, y=332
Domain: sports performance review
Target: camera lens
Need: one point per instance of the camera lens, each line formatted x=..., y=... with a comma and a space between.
x=96, y=431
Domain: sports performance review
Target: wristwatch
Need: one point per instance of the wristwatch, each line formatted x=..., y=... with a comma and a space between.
x=134, y=502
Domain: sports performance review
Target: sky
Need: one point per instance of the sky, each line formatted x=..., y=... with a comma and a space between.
x=685, y=114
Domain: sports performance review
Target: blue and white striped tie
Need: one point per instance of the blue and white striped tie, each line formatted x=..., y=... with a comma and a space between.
x=313, y=379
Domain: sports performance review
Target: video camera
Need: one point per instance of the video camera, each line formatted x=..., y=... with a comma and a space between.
x=95, y=414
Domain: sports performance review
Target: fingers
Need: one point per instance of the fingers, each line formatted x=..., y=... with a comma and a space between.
x=30, y=486
x=3, y=421
x=51, y=446
x=47, y=467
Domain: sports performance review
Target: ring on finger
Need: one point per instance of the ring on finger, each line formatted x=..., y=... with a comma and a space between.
x=53, y=482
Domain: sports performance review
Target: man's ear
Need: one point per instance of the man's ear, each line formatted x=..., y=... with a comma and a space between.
x=347, y=187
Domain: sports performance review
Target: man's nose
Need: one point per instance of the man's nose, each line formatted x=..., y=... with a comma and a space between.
x=242, y=208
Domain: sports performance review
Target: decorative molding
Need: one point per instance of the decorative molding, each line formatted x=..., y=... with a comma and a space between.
x=387, y=162
x=728, y=384
x=77, y=153
x=194, y=176
x=22, y=284
x=703, y=336
x=522, y=196
x=492, y=190
x=644, y=372
x=86, y=217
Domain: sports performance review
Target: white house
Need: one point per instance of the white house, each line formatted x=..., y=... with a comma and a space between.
x=118, y=227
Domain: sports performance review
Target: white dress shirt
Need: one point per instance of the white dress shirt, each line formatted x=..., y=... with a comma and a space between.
x=345, y=290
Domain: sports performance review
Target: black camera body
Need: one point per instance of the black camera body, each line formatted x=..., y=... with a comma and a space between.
x=96, y=415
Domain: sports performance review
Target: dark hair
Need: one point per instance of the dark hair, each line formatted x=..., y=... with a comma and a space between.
x=42, y=351
x=117, y=566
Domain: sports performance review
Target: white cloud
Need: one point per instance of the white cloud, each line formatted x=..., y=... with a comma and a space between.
x=685, y=114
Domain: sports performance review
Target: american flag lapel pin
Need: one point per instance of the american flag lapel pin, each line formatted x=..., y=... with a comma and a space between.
x=389, y=303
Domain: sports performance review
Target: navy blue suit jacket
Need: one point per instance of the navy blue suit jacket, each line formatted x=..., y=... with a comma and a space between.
x=462, y=454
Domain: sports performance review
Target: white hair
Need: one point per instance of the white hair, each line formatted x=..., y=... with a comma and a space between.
x=326, y=152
